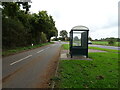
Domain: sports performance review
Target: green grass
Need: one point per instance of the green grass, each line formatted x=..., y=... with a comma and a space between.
x=20, y=49
x=101, y=72
x=104, y=49
x=104, y=43
x=66, y=47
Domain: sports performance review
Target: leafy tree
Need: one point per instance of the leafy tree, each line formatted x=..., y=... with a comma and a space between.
x=10, y=9
x=76, y=38
x=111, y=41
x=47, y=25
x=43, y=37
x=89, y=38
x=21, y=28
x=25, y=6
x=12, y=37
x=63, y=33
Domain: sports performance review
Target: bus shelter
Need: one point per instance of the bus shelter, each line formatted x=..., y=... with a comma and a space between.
x=79, y=41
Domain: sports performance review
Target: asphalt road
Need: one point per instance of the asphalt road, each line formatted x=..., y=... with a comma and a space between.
x=26, y=69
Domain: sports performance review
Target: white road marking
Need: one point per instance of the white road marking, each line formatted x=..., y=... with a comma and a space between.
x=40, y=50
x=20, y=60
x=53, y=45
x=47, y=47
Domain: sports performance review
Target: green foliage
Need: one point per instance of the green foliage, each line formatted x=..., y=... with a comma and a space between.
x=104, y=43
x=106, y=39
x=65, y=46
x=43, y=37
x=10, y=35
x=10, y=9
x=89, y=38
x=25, y=6
x=76, y=38
x=63, y=33
x=111, y=41
x=21, y=28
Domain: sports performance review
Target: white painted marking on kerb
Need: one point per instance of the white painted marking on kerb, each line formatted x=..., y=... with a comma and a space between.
x=40, y=51
x=20, y=60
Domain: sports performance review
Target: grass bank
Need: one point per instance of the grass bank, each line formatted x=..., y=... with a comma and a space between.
x=105, y=43
x=20, y=49
x=66, y=47
x=104, y=49
x=101, y=72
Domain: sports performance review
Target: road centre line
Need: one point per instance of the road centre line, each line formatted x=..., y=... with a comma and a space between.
x=47, y=47
x=53, y=45
x=20, y=60
x=40, y=50
x=27, y=57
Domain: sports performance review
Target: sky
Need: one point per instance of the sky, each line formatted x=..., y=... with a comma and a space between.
x=100, y=16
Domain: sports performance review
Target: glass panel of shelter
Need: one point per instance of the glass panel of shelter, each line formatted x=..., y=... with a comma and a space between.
x=77, y=38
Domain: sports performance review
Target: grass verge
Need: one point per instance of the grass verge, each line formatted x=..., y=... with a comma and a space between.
x=65, y=46
x=20, y=49
x=101, y=72
x=105, y=43
x=104, y=49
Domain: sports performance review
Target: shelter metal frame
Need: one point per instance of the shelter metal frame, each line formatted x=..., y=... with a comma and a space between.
x=83, y=48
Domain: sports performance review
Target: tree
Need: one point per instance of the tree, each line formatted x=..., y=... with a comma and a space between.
x=21, y=28
x=76, y=38
x=25, y=6
x=11, y=36
x=111, y=41
x=89, y=38
x=63, y=33
x=43, y=38
x=10, y=9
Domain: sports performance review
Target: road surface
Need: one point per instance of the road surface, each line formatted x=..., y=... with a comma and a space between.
x=30, y=69
x=107, y=47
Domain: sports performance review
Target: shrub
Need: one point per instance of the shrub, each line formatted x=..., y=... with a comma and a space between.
x=111, y=41
x=43, y=37
x=13, y=33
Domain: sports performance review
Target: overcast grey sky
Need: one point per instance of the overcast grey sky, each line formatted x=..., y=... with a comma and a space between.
x=100, y=16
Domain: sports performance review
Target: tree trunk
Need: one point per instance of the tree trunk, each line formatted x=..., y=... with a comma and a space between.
x=49, y=39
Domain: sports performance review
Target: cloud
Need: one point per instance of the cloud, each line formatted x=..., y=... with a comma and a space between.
x=103, y=33
x=97, y=15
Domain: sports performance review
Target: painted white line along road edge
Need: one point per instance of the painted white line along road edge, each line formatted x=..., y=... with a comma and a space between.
x=20, y=60
x=27, y=57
